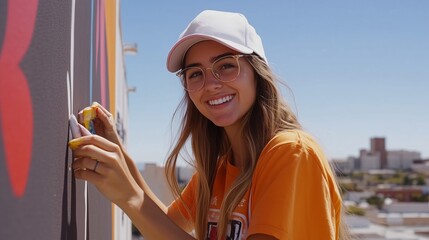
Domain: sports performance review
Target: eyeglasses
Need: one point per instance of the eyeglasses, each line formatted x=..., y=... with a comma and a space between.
x=224, y=69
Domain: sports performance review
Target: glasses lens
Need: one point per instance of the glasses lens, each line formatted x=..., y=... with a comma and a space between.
x=226, y=69
x=192, y=78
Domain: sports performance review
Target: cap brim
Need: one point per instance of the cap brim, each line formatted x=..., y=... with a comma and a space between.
x=178, y=51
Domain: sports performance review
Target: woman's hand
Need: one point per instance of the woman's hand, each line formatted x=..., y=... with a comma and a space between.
x=102, y=163
x=104, y=124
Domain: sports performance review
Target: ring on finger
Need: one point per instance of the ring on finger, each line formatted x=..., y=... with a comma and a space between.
x=96, y=165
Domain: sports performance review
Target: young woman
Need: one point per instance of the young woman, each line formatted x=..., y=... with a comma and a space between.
x=258, y=174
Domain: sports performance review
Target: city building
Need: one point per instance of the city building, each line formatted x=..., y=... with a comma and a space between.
x=421, y=166
x=369, y=160
x=401, y=159
x=154, y=176
x=378, y=145
x=378, y=157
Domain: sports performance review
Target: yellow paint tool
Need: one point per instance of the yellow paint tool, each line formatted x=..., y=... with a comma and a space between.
x=89, y=114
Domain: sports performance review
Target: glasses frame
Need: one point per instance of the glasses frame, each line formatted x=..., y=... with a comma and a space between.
x=180, y=73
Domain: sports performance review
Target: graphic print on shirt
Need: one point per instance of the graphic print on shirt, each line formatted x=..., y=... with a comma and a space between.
x=236, y=229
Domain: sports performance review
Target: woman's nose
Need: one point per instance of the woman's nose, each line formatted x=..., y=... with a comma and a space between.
x=212, y=80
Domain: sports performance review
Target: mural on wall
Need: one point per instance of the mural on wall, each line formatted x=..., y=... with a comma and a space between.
x=56, y=57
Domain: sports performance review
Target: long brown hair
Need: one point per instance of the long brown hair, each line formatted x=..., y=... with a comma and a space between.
x=268, y=116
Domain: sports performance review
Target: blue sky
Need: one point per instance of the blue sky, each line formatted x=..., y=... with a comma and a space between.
x=356, y=69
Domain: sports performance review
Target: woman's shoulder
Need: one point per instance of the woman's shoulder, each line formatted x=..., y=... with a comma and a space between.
x=293, y=150
x=293, y=146
x=292, y=139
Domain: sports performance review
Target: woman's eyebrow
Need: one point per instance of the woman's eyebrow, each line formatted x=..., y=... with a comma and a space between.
x=220, y=56
x=211, y=60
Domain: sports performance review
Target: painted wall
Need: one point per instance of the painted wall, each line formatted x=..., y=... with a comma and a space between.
x=56, y=57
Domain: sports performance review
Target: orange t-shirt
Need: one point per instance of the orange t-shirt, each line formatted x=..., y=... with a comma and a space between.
x=293, y=193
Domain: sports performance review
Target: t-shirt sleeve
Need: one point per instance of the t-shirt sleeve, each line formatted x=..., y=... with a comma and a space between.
x=293, y=194
x=185, y=207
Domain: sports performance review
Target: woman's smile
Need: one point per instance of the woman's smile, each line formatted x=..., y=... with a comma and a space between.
x=220, y=101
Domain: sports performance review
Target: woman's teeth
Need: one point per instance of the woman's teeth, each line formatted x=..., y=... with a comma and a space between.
x=220, y=101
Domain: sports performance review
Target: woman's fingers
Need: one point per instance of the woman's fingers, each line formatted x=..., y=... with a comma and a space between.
x=93, y=140
x=88, y=175
x=104, y=124
x=80, y=116
x=89, y=164
x=105, y=119
x=103, y=110
x=83, y=130
x=95, y=105
x=102, y=163
x=94, y=152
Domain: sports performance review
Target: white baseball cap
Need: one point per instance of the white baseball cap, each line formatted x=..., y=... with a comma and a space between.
x=227, y=28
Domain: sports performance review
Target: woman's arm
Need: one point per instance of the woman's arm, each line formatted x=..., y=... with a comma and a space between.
x=154, y=224
x=114, y=180
x=117, y=174
x=141, y=182
x=105, y=126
